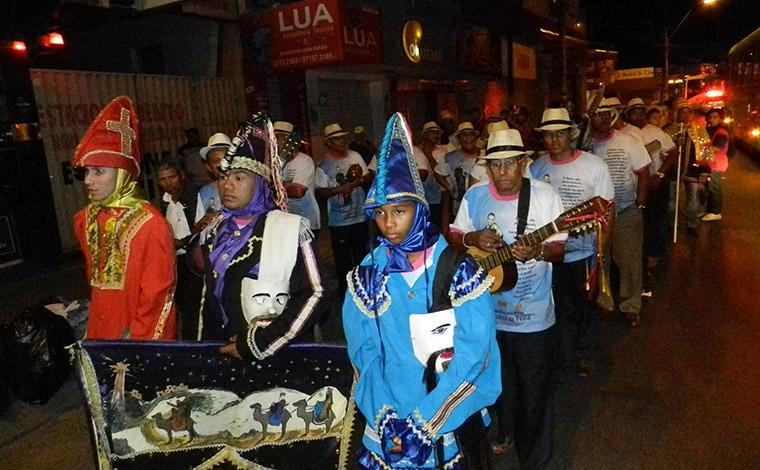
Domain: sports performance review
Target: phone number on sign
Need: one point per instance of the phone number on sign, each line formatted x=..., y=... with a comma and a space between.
x=305, y=59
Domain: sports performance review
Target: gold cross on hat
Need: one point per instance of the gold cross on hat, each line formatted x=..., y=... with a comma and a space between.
x=122, y=127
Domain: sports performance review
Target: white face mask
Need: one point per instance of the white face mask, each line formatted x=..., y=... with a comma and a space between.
x=431, y=333
x=262, y=300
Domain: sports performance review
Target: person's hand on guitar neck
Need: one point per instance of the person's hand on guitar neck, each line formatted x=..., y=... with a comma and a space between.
x=486, y=240
x=525, y=252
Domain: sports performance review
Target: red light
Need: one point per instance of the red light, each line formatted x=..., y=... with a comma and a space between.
x=18, y=46
x=56, y=39
x=52, y=40
x=714, y=93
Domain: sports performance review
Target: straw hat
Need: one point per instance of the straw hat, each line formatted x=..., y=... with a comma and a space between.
x=431, y=126
x=608, y=105
x=635, y=103
x=216, y=141
x=465, y=126
x=500, y=125
x=283, y=127
x=555, y=119
x=334, y=130
x=505, y=144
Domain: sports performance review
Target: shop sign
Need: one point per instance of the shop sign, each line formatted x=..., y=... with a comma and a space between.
x=523, y=62
x=322, y=32
x=633, y=74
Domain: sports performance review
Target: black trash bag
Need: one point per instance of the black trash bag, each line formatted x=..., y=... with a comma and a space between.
x=36, y=354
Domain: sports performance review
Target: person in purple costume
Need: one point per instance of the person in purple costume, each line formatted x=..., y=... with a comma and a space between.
x=262, y=284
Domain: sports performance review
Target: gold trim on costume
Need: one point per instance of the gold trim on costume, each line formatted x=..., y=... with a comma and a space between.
x=161, y=323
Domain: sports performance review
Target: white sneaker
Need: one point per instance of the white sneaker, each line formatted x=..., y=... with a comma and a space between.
x=709, y=216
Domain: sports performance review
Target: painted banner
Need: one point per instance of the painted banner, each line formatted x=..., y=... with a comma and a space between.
x=186, y=406
x=321, y=32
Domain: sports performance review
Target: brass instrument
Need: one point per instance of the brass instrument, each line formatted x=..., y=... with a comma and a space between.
x=598, y=285
x=703, y=151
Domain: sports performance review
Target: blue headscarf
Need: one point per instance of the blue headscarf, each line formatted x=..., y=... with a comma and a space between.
x=398, y=180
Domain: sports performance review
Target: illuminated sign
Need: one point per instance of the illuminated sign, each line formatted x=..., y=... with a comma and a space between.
x=411, y=38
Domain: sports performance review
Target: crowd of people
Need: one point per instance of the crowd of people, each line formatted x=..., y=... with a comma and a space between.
x=454, y=353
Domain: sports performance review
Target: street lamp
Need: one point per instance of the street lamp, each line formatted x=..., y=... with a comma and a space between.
x=668, y=37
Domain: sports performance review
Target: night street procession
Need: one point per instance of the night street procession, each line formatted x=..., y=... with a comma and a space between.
x=374, y=235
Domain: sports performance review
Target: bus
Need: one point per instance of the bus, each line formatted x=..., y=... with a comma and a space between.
x=743, y=100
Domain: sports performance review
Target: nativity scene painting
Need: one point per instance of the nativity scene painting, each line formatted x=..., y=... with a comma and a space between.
x=167, y=403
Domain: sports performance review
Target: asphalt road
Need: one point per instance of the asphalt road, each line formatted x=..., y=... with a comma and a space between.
x=681, y=391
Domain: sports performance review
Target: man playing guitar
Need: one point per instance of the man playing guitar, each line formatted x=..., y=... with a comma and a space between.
x=525, y=314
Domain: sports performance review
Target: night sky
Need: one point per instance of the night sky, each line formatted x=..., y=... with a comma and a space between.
x=635, y=29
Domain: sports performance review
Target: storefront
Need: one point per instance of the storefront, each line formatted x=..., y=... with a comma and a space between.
x=317, y=62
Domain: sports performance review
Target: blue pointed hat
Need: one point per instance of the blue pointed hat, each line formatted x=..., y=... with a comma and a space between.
x=397, y=178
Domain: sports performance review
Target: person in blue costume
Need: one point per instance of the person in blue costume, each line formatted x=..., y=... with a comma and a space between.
x=399, y=335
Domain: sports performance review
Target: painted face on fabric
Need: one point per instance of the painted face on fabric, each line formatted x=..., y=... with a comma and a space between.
x=236, y=188
x=263, y=300
x=433, y=333
x=170, y=181
x=100, y=182
x=506, y=174
x=394, y=220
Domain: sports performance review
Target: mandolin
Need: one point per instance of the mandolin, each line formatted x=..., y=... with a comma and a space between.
x=501, y=264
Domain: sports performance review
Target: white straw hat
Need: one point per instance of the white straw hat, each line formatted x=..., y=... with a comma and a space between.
x=216, y=141
x=334, y=130
x=505, y=144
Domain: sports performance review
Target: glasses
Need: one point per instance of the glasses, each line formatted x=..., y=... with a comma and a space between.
x=550, y=135
x=503, y=164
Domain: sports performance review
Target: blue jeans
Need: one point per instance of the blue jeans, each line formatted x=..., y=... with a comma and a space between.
x=691, y=209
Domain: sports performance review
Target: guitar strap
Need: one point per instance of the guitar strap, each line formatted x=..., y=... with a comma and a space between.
x=448, y=263
x=523, y=204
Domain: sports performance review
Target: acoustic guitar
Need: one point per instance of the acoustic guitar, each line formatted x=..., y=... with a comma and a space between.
x=501, y=264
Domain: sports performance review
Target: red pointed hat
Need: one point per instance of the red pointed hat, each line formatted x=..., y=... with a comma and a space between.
x=113, y=139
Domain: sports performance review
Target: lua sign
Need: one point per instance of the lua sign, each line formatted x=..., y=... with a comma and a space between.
x=315, y=33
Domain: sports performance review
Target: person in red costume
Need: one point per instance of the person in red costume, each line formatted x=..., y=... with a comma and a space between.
x=127, y=244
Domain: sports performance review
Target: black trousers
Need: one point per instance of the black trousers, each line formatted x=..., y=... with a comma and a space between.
x=187, y=298
x=524, y=409
x=349, y=245
x=575, y=313
x=657, y=222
